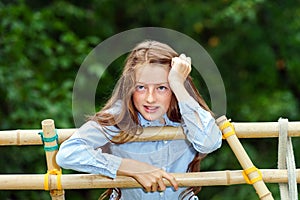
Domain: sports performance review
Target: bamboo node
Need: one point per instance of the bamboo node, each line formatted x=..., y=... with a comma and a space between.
x=19, y=137
x=228, y=177
x=267, y=194
x=58, y=180
x=248, y=171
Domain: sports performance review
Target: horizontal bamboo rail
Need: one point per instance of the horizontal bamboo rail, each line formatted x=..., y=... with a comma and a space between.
x=30, y=137
x=91, y=181
x=243, y=130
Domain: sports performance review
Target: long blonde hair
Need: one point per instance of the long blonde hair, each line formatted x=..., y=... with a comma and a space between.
x=147, y=52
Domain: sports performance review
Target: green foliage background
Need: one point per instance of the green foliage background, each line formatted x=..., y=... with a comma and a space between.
x=255, y=44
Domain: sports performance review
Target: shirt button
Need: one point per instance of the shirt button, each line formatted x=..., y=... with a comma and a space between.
x=163, y=168
x=165, y=141
x=161, y=194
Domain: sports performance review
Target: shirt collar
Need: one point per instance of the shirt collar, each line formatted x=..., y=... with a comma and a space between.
x=146, y=123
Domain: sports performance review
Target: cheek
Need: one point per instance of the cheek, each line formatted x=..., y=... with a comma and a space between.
x=167, y=100
x=136, y=98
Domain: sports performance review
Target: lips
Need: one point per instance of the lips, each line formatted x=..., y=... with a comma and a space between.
x=151, y=109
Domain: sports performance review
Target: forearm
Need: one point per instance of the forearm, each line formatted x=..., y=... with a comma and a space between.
x=83, y=152
x=200, y=127
x=79, y=157
x=180, y=92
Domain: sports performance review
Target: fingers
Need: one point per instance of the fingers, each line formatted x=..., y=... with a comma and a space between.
x=154, y=184
x=158, y=184
x=150, y=177
x=182, y=64
x=161, y=185
x=156, y=181
x=185, y=58
x=171, y=180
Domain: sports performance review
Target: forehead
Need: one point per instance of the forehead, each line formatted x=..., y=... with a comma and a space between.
x=152, y=74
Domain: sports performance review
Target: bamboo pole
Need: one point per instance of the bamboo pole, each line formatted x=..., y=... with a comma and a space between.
x=243, y=130
x=91, y=181
x=51, y=149
x=264, y=129
x=243, y=158
x=30, y=137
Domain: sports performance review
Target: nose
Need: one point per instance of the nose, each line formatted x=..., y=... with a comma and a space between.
x=150, y=98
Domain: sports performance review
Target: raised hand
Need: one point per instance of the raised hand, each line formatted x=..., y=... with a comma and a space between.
x=181, y=68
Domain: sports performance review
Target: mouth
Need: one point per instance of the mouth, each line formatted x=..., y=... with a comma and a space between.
x=151, y=109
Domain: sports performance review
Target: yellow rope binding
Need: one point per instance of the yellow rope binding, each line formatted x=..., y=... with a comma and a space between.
x=248, y=171
x=58, y=180
x=230, y=133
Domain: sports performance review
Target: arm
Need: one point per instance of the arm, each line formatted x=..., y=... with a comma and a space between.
x=82, y=152
x=198, y=124
x=200, y=127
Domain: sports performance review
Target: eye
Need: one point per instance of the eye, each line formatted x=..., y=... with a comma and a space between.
x=162, y=88
x=139, y=88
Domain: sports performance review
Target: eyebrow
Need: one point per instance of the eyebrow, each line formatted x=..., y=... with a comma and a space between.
x=152, y=83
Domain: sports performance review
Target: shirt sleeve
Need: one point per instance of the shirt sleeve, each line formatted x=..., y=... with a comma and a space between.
x=199, y=127
x=82, y=152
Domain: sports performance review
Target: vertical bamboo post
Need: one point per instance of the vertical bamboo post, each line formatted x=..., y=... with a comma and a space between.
x=50, y=151
x=244, y=160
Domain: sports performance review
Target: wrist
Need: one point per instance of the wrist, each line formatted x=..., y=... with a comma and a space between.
x=180, y=92
x=125, y=167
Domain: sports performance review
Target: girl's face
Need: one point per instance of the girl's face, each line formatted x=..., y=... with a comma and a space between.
x=152, y=95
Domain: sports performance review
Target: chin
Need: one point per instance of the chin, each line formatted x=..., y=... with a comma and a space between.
x=152, y=118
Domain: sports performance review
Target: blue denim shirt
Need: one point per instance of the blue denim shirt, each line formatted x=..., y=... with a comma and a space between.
x=84, y=151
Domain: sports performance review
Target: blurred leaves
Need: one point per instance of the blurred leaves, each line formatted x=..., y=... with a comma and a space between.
x=255, y=44
x=40, y=58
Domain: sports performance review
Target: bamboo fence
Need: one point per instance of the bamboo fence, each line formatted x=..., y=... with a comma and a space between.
x=86, y=181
